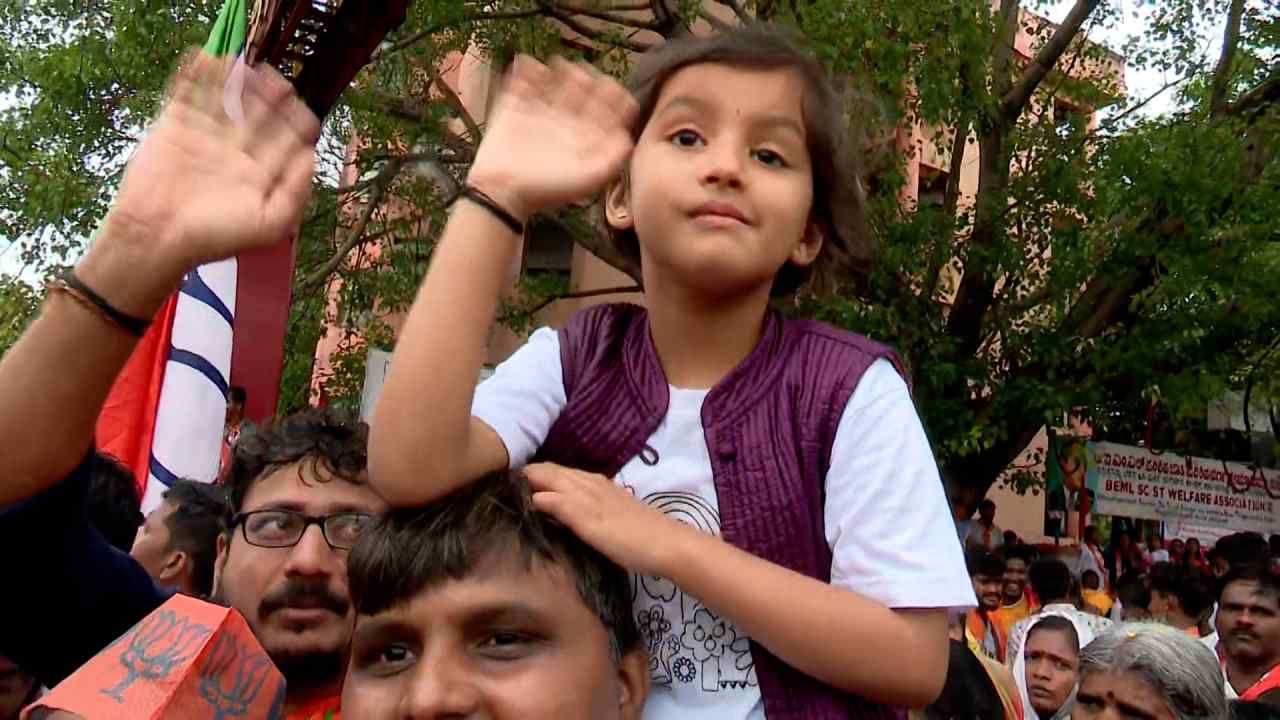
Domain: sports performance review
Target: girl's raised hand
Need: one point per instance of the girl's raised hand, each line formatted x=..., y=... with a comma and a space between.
x=558, y=134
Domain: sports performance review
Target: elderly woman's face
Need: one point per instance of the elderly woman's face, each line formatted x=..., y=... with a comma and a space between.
x=1118, y=696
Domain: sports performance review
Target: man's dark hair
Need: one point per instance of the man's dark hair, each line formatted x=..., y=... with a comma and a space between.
x=1055, y=623
x=1050, y=579
x=113, y=506
x=839, y=204
x=237, y=395
x=1025, y=553
x=410, y=550
x=987, y=504
x=1274, y=543
x=1242, y=548
x=1260, y=572
x=199, y=516
x=984, y=563
x=327, y=440
x=1132, y=591
x=1191, y=590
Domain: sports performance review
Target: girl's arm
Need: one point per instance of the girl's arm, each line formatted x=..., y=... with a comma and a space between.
x=836, y=635
x=557, y=134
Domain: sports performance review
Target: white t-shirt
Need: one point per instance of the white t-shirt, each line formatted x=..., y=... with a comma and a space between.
x=887, y=521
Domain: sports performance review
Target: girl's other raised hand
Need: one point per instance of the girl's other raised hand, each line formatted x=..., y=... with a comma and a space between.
x=558, y=134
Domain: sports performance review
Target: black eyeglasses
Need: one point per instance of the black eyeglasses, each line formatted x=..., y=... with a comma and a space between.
x=284, y=528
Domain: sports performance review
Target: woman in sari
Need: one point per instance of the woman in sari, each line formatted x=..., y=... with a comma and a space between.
x=1050, y=668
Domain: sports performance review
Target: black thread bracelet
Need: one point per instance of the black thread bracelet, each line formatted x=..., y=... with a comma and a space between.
x=478, y=197
x=134, y=326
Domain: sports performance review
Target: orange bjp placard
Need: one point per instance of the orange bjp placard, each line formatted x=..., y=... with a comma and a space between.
x=188, y=659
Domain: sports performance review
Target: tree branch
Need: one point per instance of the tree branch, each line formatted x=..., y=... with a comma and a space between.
x=950, y=200
x=1002, y=53
x=1222, y=72
x=319, y=277
x=592, y=34
x=1014, y=101
x=713, y=21
x=455, y=102
x=439, y=27
x=606, y=16
x=738, y=10
x=1265, y=93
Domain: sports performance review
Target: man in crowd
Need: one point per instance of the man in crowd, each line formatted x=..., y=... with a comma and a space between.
x=477, y=605
x=1248, y=626
x=984, y=534
x=1179, y=597
x=178, y=542
x=1051, y=581
x=1016, y=602
x=200, y=188
x=1133, y=597
x=113, y=504
x=986, y=571
x=1091, y=555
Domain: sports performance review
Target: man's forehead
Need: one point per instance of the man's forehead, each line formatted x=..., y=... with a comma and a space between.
x=308, y=485
x=1250, y=592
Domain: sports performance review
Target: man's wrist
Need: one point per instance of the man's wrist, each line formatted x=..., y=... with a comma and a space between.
x=126, y=270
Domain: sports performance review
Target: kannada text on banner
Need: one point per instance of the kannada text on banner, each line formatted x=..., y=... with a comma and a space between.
x=1132, y=482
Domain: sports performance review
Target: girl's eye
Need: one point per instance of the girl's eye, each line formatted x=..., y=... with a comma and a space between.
x=770, y=158
x=686, y=138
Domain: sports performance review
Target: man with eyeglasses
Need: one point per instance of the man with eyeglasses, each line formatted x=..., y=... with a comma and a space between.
x=200, y=188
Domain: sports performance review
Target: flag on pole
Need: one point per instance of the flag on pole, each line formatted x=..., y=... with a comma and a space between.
x=165, y=415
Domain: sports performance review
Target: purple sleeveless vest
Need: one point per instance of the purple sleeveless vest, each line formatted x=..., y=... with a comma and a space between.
x=769, y=427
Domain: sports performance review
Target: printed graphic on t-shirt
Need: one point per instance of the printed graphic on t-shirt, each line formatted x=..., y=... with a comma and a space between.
x=688, y=643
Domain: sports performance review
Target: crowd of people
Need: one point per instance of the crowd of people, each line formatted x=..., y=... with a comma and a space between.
x=620, y=523
x=1205, y=628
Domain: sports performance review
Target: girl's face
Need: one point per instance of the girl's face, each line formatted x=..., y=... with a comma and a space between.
x=720, y=186
x=1051, y=665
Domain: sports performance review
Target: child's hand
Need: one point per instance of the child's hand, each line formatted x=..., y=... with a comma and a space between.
x=557, y=135
x=608, y=517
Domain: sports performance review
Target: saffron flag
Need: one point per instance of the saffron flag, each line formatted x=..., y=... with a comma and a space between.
x=165, y=415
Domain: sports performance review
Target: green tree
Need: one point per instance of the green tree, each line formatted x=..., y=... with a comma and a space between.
x=19, y=303
x=1097, y=268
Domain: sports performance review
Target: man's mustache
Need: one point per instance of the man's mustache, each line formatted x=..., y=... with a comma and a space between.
x=304, y=594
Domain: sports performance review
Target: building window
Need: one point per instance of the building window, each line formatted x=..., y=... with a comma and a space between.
x=931, y=190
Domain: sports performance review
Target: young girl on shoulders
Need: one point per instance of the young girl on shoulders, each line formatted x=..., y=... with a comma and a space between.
x=767, y=480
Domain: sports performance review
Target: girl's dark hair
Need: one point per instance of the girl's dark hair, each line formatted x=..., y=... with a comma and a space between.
x=839, y=204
